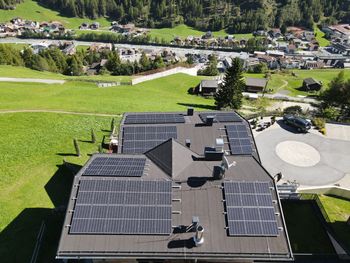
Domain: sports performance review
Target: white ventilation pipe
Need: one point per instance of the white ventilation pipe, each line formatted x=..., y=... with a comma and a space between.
x=199, y=237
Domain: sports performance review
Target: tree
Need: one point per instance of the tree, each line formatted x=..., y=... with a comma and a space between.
x=93, y=136
x=76, y=146
x=231, y=92
x=338, y=95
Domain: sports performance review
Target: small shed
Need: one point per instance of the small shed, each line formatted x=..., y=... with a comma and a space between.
x=208, y=87
x=310, y=84
x=255, y=84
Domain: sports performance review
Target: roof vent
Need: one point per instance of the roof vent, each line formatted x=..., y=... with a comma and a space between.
x=190, y=111
x=219, y=145
x=199, y=237
x=209, y=120
x=188, y=143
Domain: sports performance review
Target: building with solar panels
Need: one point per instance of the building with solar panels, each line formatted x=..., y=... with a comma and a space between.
x=183, y=186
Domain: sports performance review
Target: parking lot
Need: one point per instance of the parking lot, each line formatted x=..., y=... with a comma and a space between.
x=310, y=159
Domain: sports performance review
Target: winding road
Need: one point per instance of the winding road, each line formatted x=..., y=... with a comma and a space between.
x=46, y=81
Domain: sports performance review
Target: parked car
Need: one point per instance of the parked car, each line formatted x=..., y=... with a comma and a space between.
x=300, y=124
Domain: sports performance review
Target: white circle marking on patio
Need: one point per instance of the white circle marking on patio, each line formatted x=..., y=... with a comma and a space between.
x=298, y=153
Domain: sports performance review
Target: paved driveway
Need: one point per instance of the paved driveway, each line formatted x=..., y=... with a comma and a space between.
x=332, y=163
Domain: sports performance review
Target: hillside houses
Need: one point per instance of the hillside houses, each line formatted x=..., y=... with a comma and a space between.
x=17, y=27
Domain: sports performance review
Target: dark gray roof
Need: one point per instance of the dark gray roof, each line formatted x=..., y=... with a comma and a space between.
x=256, y=82
x=311, y=81
x=194, y=193
x=171, y=157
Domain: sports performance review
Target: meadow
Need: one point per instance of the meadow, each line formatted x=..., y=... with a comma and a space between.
x=32, y=10
x=34, y=146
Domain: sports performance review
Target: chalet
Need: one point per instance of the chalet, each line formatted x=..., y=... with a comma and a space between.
x=312, y=64
x=255, y=84
x=208, y=87
x=308, y=35
x=341, y=31
x=95, y=25
x=84, y=26
x=275, y=33
x=310, y=84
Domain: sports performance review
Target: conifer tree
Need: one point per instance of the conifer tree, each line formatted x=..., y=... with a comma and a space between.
x=231, y=92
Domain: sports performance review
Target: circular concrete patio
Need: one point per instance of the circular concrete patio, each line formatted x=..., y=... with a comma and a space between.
x=310, y=159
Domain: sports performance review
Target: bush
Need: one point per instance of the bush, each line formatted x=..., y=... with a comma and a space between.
x=293, y=110
x=323, y=131
x=331, y=113
x=319, y=123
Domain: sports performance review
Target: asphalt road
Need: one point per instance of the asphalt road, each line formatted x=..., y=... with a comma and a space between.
x=334, y=163
x=180, y=51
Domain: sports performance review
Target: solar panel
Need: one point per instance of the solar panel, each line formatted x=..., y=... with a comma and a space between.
x=249, y=209
x=139, y=139
x=154, y=118
x=240, y=140
x=122, y=207
x=221, y=116
x=119, y=167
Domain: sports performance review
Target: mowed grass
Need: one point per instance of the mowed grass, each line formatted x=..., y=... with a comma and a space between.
x=164, y=94
x=32, y=10
x=22, y=72
x=338, y=211
x=184, y=31
x=33, y=145
x=305, y=230
x=278, y=80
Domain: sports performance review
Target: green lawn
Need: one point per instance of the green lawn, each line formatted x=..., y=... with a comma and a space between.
x=305, y=230
x=164, y=94
x=33, y=145
x=338, y=211
x=295, y=82
x=30, y=9
x=184, y=31
x=320, y=37
x=22, y=72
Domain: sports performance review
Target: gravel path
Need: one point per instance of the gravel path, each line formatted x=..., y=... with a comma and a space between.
x=46, y=81
x=62, y=112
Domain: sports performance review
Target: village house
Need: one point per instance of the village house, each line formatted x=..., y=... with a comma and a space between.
x=255, y=84
x=310, y=84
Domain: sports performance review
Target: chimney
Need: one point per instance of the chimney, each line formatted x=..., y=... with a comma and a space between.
x=188, y=143
x=199, y=238
x=209, y=120
x=190, y=111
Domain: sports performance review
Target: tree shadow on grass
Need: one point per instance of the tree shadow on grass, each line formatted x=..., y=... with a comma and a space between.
x=200, y=106
x=18, y=239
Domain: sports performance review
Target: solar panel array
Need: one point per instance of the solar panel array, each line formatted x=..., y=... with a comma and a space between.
x=240, y=139
x=249, y=209
x=154, y=118
x=122, y=207
x=119, y=167
x=140, y=139
x=221, y=116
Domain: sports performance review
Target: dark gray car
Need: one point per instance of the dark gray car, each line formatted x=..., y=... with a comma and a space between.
x=299, y=123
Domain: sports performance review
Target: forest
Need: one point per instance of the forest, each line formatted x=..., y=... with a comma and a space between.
x=236, y=16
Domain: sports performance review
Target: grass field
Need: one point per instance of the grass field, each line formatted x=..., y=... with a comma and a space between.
x=30, y=9
x=183, y=31
x=305, y=230
x=22, y=72
x=165, y=94
x=33, y=145
x=338, y=211
x=294, y=82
